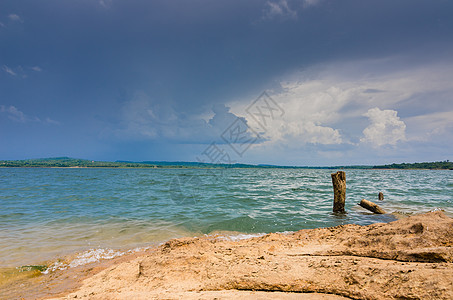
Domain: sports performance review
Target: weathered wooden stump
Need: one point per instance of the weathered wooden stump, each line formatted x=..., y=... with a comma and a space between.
x=381, y=196
x=339, y=191
x=371, y=206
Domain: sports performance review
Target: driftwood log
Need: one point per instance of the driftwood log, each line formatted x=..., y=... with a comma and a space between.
x=371, y=206
x=339, y=191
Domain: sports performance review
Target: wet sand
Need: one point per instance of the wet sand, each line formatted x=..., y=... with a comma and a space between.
x=409, y=258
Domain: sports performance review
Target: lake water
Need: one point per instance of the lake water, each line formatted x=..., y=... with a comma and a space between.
x=46, y=214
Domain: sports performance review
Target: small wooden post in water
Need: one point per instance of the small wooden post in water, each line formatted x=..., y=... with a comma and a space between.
x=339, y=191
x=381, y=196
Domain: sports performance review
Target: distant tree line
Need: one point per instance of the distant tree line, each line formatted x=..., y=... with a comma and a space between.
x=67, y=162
x=438, y=165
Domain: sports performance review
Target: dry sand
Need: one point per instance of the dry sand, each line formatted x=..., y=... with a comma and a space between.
x=411, y=258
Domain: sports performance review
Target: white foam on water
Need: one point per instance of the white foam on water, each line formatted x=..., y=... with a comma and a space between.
x=285, y=232
x=241, y=236
x=246, y=236
x=94, y=255
x=55, y=266
x=90, y=256
x=437, y=209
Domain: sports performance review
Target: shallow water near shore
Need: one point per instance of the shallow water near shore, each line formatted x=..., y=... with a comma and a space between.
x=91, y=214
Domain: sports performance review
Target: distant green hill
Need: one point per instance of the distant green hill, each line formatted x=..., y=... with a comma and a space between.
x=66, y=162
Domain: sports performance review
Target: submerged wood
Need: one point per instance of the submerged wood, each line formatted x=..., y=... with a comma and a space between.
x=371, y=206
x=339, y=191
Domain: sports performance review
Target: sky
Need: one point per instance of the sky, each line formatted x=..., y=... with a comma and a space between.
x=286, y=82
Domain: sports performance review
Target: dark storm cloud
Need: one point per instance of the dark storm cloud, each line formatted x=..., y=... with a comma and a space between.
x=195, y=52
x=81, y=62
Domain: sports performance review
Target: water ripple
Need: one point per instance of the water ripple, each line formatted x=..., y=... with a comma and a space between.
x=54, y=211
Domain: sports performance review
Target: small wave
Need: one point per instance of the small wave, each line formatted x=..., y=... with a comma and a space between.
x=285, y=232
x=241, y=236
x=234, y=237
x=89, y=256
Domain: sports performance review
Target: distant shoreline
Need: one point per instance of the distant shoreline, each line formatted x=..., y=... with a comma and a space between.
x=66, y=162
x=223, y=168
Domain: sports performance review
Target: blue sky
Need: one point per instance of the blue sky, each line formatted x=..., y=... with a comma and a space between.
x=346, y=82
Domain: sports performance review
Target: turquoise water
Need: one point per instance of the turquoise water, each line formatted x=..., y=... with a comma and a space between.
x=49, y=213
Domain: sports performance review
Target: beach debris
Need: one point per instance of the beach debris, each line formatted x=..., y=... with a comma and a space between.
x=381, y=196
x=339, y=191
x=371, y=206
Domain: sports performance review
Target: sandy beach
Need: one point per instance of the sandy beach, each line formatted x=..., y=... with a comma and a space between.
x=411, y=258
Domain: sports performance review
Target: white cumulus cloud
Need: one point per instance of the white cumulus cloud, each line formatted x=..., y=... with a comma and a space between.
x=354, y=107
x=386, y=128
x=310, y=110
